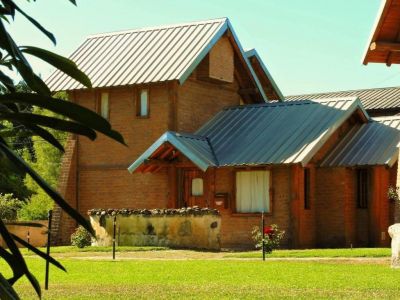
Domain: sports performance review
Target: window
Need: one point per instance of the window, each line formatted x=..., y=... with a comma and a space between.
x=197, y=187
x=307, y=189
x=362, y=188
x=143, y=103
x=252, y=191
x=104, y=107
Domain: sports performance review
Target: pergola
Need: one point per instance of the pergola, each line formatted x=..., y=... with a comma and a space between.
x=384, y=43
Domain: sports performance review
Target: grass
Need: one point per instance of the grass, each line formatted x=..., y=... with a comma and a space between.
x=329, y=253
x=73, y=249
x=213, y=279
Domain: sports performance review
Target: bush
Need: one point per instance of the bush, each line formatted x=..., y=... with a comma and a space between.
x=272, y=237
x=9, y=207
x=80, y=238
x=36, y=209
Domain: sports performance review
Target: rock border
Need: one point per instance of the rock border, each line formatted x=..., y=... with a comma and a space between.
x=185, y=211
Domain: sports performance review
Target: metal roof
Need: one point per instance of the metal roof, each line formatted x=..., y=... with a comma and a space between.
x=372, y=99
x=274, y=93
x=195, y=148
x=263, y=134
x=373, y=143
x=147, y=55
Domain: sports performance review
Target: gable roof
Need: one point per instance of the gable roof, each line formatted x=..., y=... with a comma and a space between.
x=267, y=81
x=148, y=55
x=369, y=144
x=196, y=148
x=372, y=99
x=385, y=35
x=270, y=133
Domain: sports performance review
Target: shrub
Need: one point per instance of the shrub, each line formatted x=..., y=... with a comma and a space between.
x=80, y=238
x=272, y=237
x=37, y=208
x=9, y=207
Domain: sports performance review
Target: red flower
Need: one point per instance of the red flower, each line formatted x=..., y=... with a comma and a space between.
x=268, y=230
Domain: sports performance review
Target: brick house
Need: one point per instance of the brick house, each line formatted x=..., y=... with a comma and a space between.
x=145, y=82
x=195, y=111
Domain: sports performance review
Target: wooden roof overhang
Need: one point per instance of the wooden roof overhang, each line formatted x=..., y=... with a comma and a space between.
x=384, y=43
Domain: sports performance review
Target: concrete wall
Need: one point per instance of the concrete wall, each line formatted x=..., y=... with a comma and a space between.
x=195, y=231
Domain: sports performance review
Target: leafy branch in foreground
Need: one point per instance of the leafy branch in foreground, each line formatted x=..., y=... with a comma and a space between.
x=69, y=117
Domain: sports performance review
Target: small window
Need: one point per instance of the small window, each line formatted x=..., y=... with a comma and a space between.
x=104, y=106
x=362, y=188
x=252, y=191
x=197, y=187
x=307, y=189
x=143, y=103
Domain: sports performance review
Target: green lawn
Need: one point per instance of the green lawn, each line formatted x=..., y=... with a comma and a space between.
x=355, y=252
x=205, y=279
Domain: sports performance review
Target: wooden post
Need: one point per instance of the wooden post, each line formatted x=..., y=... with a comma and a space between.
x=46, y=282
x=114, y=227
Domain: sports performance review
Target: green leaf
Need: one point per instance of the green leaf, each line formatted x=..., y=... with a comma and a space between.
x=61, y=63
x=55, y=123
x=32, y=20
x=68, y=109
x=46, y=135
x=18, y=259
x=31, y=79
x=38, y=252
x=24, y=167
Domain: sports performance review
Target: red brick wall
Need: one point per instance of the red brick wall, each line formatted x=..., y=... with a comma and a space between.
x=236, y=228
x=199, y=101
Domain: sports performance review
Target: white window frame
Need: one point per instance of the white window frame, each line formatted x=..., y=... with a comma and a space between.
x=105, y=105
x=143, y=109
x=253, y=191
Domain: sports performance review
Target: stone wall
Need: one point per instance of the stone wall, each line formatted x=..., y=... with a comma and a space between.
x=195, y=228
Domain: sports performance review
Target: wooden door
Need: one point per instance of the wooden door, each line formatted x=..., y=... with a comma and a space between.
x=194, y=188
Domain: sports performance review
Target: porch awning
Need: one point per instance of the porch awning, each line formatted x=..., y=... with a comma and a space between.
x=195, y=147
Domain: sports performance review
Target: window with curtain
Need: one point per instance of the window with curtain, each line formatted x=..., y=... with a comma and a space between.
x=104, y=106
x=197, y=187
x=143, y=103
x=252, y=191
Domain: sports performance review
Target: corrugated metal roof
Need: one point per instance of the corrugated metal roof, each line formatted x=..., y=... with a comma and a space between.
x=373, y=143
x=372, y=99
x=274, y=91
x=196, y=148
x=147, y=55
x=264, y=134
x=275, y=133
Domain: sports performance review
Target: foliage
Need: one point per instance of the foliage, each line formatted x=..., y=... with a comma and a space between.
x=37, y=208
x=217, y=279
x=393, y=193
x=9, y=207
x=15, y=108
x=272, y=237
x=81, y=238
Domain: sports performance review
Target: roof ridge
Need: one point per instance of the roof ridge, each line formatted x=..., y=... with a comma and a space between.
x=291, y=103
x=150, y=28
x=189, y=135
x=345, y=91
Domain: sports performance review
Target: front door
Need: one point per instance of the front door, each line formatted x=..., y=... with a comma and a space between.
x=193, y=188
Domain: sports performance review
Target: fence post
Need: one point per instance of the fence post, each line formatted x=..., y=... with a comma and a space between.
x=263, y=234
x=46, y=283
x=114, y=227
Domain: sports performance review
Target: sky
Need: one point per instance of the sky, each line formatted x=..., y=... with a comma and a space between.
x=308, y=46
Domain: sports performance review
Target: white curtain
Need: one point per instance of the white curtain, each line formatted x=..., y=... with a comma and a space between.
x=252, y=191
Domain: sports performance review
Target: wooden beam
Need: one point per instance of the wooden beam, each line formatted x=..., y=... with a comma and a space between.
x=384, y=46
x=248, y=91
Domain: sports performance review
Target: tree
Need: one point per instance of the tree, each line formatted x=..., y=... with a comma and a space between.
x=69, y=117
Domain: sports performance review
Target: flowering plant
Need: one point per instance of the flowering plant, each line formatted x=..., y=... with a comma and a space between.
x=272, y=237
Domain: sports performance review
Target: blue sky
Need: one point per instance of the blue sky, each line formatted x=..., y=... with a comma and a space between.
x=308, y=45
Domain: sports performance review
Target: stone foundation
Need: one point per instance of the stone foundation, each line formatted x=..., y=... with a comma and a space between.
x=195, y=228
